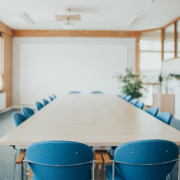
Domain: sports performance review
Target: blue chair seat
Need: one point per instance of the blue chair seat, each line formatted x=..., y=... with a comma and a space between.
x=128, y=98
x=52, y=153
x=97, y=92
x=28, y=112
x=165, y=117
x=18, y=118
x=76, y=92
x=140, y=105
x=153, y=111
x=124, y=96
x=87, y=177
x=54, y=96
x=117, y=176
x=134, y=101
x=150, y=152
x=50, y=98
x=39, y=106
x=45, y=102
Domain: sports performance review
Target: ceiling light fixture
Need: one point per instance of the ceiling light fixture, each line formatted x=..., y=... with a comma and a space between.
x=134, y=19
x=26, y=18
x=68, y=25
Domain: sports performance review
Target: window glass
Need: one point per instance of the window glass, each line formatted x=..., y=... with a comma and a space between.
x=178, y=38
x=169, y=42
x=150, y=56
x=0, y=65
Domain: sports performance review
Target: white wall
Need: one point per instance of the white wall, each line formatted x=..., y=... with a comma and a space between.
x=174, y=67
x=42, y=66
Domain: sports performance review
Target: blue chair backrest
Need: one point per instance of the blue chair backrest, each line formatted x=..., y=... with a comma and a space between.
x=97, y=92
x=128, y=98
x=140, y=105
x=165, y=117
x=18, y=118
x=28, y=112
x=77, y=92
x=153, y=111
x=50, y=98
x=123, y=96
x=59, y=153
x=54, y=96
x=39, y=106
x=45, y=102
x=146, y=152
x=134, y=101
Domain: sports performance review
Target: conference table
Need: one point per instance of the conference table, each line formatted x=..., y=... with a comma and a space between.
x=98, y=120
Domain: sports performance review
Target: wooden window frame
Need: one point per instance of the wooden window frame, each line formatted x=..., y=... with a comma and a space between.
x=162, y=42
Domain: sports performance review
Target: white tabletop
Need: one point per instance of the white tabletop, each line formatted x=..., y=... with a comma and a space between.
x=95, y=119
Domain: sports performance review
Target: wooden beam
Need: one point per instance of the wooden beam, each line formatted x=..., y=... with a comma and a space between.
x=147, y=30
x=162, y=44
x=5, y=29
x=137, y=52
x=175, y=39
x=7, y=67
x=172, y=22
x=73, y=33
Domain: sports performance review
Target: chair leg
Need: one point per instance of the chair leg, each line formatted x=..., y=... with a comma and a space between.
x=20, y=174
x=178, y=170
x=15, y=157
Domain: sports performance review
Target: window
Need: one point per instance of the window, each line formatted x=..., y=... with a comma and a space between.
x=178, y=38
x=169, y=42
x=1, y=64
x=150, y=56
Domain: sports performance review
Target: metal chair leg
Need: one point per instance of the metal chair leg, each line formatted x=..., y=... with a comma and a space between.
x=178, y=170
x=15, y=157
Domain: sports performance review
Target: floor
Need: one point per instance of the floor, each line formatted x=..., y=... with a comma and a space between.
x=7, y=152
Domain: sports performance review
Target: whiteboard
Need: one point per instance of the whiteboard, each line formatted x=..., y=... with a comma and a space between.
x=47, y=69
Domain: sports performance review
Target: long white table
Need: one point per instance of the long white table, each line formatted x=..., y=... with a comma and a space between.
x=95, y=119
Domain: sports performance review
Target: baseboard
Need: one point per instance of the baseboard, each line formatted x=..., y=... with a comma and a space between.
x=7, y=109
x=16, y=107
x=20, y=106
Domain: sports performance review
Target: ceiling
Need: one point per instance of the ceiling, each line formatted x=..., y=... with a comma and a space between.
x=95, y=14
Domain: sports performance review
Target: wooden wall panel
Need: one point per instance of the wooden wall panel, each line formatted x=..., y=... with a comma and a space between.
x=137, y=52
x=7, y=59
x=73, y=33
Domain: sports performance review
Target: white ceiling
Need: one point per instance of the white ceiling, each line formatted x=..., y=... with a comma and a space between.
x=95, y=14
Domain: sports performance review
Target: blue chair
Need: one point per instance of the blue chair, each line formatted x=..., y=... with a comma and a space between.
x=54, y=97
x=45, y=102
x=165, y=117
x=97, y=92
x=60, y=153
x=153, y=111
x=128, y=98
x=39, y=106
x=77, y=92
x=18, y=118
x=123, y=96
x=144, y=152
x=140, y=105
x=50, y=99
x=134, y=101
x=28, y=112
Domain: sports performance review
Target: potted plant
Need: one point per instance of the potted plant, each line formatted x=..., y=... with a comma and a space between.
x=132, y=83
